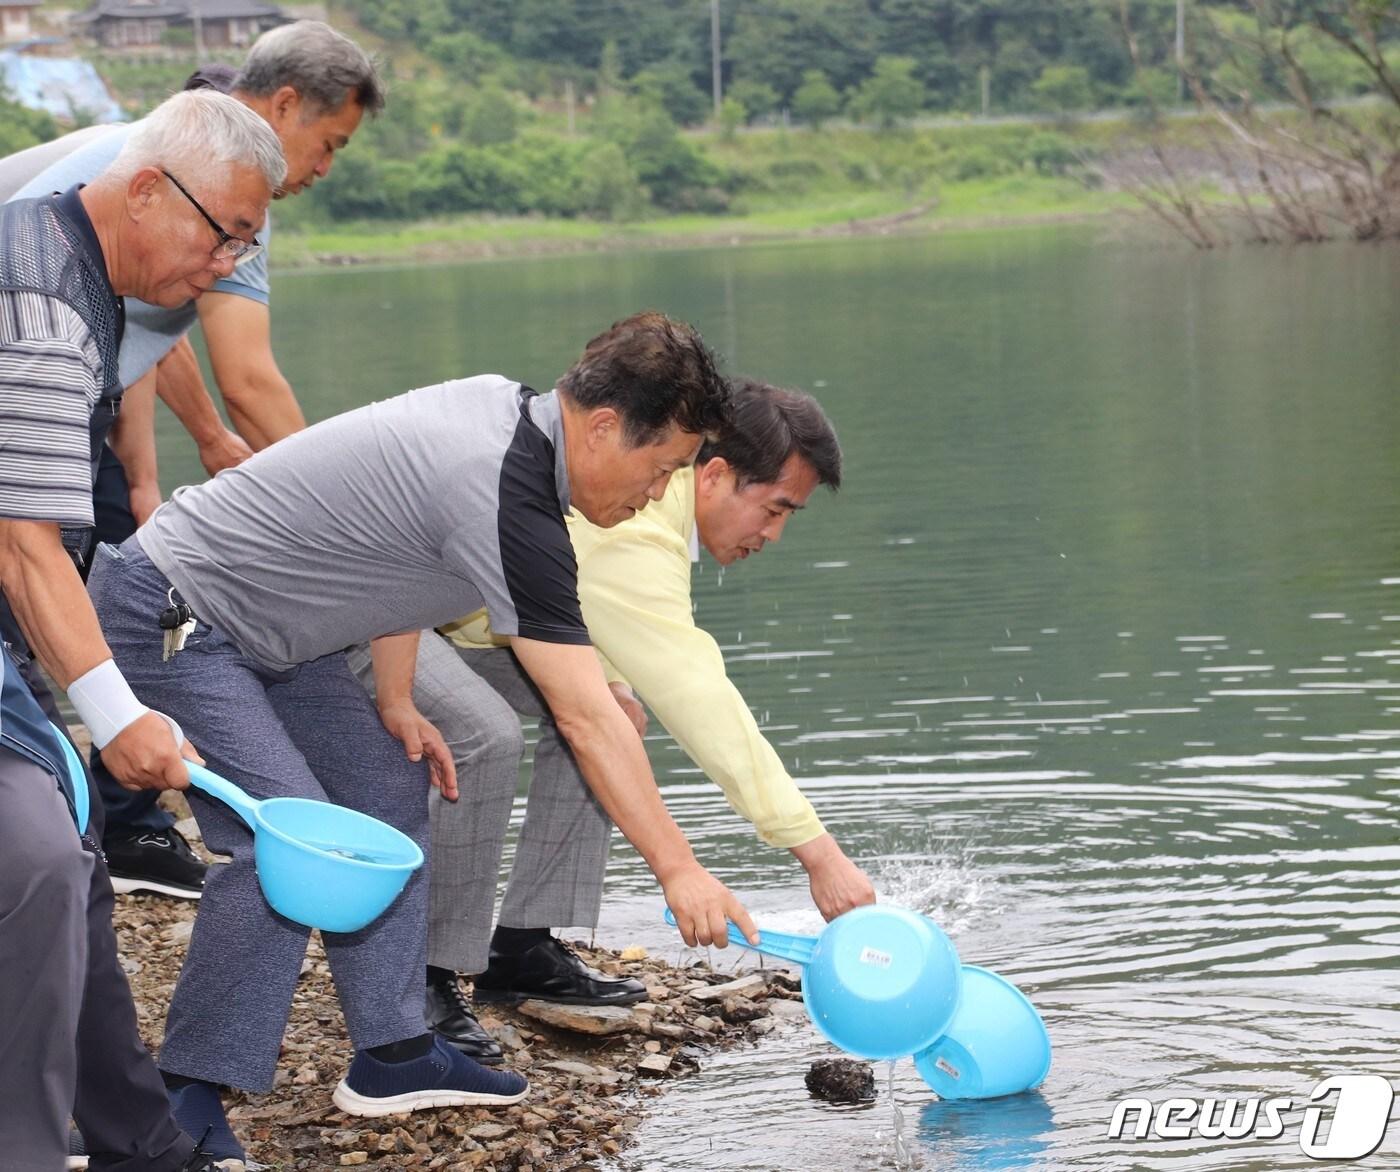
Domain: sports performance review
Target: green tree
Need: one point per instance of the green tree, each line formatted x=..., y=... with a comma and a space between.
x=816, y=100
x=732, y=115
x=490, y=117
x=670, y=86
x=608, y=186
x=1064, y=89
x=891, y=94
x=778, y=40
x=757, y=97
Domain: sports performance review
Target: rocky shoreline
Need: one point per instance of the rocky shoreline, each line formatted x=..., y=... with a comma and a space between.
x=592, y=1071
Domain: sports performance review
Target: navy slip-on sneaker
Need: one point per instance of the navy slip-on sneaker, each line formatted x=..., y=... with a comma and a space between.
x=441, y=1078
x=199, y=1111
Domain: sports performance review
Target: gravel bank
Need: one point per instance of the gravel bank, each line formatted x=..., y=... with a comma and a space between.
x=592, y=1072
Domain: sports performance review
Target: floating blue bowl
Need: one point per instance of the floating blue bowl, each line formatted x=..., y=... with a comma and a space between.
x=995, y=1045
x=318, y=863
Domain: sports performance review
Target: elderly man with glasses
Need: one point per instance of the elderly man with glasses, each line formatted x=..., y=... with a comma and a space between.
x=313, y=86
x=67, y=1023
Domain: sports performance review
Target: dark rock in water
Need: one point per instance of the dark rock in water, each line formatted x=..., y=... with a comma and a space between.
x=841, y=1080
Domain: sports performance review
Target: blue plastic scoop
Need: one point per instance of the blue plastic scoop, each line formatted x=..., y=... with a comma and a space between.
x=879, y=982
x=318, y=863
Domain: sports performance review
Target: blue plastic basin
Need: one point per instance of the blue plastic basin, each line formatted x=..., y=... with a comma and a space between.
x=879, y=982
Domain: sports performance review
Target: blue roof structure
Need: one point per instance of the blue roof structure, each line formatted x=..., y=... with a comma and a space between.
x=65, y=87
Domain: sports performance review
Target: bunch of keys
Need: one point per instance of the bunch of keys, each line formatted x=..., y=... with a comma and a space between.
x=177, y=621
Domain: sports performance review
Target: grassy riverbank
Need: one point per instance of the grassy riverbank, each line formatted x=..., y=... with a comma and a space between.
x=965, y=207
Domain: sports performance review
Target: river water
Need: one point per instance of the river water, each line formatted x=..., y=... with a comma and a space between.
x=1095, y=659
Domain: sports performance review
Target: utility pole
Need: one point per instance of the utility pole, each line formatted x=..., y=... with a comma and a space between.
x=569, y=103
x=985, y=76
x=716, y=82
x=198, y=17
x=1180, y=51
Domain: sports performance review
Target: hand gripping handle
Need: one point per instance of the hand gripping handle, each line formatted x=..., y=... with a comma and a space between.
x=214, y=785
x=783, y=945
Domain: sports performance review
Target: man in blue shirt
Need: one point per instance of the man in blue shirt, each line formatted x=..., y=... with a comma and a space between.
x=67, y=1023
x=313, y=86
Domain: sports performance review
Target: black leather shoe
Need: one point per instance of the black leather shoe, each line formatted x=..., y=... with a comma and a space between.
x=450, y=1015
x=552, y=971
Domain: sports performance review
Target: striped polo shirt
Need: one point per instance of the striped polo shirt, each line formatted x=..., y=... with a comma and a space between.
x=52, y=379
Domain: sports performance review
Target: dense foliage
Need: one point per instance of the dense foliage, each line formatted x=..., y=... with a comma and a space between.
x=955, y=46
x=580, y=107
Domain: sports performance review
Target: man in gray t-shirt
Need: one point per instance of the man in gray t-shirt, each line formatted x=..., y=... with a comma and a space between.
x=372, y=526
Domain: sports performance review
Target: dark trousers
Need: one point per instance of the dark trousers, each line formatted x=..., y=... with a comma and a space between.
x=120, y=1103
x=128, y=813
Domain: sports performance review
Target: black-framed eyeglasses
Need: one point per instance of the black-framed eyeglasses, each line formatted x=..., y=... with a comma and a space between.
x=230, y=247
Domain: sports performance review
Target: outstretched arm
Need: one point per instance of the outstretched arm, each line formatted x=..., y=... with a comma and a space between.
x=634, y=587
x=180, y=384
x=614, y=763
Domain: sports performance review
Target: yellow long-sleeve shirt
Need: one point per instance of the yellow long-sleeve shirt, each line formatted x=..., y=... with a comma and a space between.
x=634, y=587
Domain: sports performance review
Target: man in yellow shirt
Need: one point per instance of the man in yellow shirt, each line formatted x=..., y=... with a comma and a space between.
x=634, y=586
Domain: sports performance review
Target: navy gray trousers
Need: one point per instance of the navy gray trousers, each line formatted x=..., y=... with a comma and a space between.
x=476, y=699
x=311, y=732
x=69, y=1043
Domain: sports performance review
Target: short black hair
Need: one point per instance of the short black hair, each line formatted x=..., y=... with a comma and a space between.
x=769, y=424
x=654, y=371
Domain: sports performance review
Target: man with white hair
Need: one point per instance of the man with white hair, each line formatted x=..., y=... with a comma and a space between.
x=313, y=86
x=173, y=213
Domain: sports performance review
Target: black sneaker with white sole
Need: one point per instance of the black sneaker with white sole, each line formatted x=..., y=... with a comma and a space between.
x=158, y=861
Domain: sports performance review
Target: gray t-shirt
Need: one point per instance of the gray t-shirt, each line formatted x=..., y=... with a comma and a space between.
x=150, y=330
x=397, y=516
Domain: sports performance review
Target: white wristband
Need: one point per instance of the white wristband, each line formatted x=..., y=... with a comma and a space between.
x=105, y=702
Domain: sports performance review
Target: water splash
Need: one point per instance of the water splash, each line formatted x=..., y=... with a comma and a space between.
x=938, y=884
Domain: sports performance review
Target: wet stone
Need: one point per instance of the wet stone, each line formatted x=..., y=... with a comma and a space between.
x=654, y=1066
x=584, y=1019
x=736, y=1010
x=744, y=987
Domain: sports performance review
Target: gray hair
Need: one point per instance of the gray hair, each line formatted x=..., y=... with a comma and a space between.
x=202, y=133
x=323, y=66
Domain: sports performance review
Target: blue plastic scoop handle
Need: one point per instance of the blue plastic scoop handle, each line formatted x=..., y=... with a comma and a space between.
x=219, y=787
x=783, y=945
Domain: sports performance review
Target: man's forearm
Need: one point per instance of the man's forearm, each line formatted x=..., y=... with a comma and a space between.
x=50, y=603
x=613, y=761
x=395, y=657
x=180, y=384
x=264, y=411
